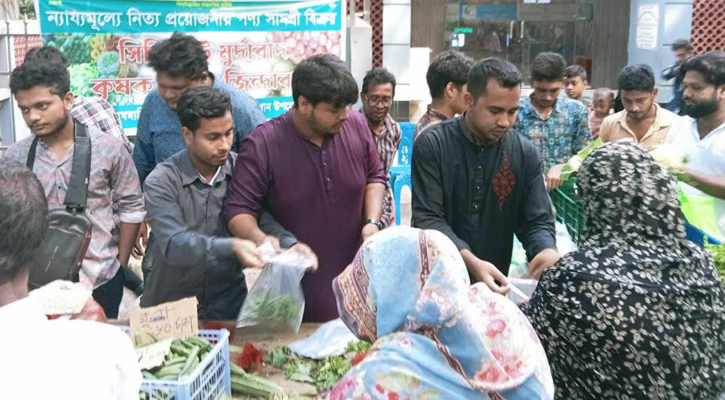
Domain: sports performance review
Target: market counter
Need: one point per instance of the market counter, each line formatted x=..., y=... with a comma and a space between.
x=264, y=340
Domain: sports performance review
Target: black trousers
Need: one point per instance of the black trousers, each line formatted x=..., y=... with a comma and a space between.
x=110, y=293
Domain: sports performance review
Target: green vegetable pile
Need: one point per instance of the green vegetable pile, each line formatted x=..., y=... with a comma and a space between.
x=75, y=46
x=322, y=373
x=109, y=64
x=80, y=77
x=718, y=254
x=184, y=357
x=274, y=310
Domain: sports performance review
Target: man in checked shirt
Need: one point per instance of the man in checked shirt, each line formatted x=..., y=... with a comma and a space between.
x=98, y=113
x=378, y=91
x=90, y=111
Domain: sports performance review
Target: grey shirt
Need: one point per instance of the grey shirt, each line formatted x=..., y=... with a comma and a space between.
x=193, y=250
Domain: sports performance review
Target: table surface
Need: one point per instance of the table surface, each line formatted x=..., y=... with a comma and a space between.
x=265, y=340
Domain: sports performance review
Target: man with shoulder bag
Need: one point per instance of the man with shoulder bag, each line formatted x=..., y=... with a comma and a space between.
x=84, y=174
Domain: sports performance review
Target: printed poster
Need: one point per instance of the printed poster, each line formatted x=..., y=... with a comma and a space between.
x=253, y=46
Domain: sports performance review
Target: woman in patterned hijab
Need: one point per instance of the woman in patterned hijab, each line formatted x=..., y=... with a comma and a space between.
x=435, y=336
x=638, y=311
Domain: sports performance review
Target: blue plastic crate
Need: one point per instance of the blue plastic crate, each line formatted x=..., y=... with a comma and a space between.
x=697, y=236
x=209, y=380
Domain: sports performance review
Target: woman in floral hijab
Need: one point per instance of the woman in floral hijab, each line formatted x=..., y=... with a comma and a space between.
x=638, y=311
x=434, y=336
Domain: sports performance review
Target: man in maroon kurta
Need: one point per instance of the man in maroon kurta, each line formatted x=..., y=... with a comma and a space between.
x=318, y=173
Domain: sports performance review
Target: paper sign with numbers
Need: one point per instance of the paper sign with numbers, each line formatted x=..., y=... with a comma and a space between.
x=177, y=319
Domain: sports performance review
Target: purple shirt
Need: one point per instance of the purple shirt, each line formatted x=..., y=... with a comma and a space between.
x=317, y=193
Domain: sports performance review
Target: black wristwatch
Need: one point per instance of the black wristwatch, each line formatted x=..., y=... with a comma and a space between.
x=374, y=222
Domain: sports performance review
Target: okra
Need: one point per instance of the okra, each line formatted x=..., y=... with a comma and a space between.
x=193, y=356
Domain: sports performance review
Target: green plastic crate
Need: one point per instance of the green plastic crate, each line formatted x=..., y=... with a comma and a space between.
x=569, y=211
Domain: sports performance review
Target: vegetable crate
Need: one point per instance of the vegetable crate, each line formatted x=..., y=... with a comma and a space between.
x=569, y=211
x=698, y=237
x=209, y=381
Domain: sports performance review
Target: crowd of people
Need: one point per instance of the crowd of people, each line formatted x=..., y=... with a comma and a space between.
x=636, y=312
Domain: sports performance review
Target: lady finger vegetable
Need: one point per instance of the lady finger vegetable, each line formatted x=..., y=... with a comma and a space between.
x=254, y=385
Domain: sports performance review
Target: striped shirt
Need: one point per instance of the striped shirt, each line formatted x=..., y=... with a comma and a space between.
x=98, y=113
x=387, y=144
x=430, y=118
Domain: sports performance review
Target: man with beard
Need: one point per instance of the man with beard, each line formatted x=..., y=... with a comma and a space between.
x=642, y=120
x=318, y=173
x=378, y=91
x=194, y=255
x=42, y=91
x=557, y=125
x=701, y=136
x=479, y=182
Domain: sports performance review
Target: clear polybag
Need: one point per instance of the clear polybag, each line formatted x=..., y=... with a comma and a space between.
x=276, y=300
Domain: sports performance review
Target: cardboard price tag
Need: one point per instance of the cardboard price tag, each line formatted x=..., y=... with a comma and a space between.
x=153, y=355
x=178, y=319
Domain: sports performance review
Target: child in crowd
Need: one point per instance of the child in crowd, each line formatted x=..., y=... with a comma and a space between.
x=575, y=81
x=602, y=103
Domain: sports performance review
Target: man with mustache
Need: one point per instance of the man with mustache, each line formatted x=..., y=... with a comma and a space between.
x=194, y=254
x=642, y=120
x=701, y=136
x=557, y=125
x=180, y=63
x=378, y=91
x=317, y=171
x=479, y=182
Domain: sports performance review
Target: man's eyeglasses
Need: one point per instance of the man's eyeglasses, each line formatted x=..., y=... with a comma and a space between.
x=375, y=100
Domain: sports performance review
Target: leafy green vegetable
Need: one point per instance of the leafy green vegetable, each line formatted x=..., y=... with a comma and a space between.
x=718, y=254
x=359, y=346
x=278, y=357
x=282, y=309
x=572, y=166
x=322, y=373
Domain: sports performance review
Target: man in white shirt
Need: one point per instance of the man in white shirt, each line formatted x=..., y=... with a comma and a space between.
x=702, y=135
x=44, y=359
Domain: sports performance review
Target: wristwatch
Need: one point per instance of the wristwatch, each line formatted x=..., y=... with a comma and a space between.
x=374, y=222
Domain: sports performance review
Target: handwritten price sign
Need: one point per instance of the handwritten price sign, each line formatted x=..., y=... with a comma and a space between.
x=177, y=319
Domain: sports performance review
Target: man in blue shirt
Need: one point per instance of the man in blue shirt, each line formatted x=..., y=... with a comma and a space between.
x=683, y=51
x=180, y=63
x=557, y=125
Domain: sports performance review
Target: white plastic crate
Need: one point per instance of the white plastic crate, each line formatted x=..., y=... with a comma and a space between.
x=208, y=381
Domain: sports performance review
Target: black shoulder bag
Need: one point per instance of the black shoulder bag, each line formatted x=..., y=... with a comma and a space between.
x=60, y=255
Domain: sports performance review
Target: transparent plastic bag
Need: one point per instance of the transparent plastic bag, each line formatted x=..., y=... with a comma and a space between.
x=329, y=340
x=276, y=300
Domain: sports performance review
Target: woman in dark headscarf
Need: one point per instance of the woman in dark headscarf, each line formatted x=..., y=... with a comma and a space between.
x=638, y=311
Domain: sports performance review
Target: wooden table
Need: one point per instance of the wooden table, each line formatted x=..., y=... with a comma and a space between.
x=265, y=340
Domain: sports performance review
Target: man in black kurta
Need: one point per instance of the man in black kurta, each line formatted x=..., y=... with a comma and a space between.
x=479, y=182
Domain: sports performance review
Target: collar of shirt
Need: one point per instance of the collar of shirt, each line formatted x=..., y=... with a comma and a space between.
x=662, y=120
x=388, y=122
x=467, y=132
x=527, y=106
x=433, y=113
x=21, y=312
x=695, y=132
x=189, y=174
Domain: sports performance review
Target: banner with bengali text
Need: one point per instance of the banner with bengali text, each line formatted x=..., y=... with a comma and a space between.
x=253, y=46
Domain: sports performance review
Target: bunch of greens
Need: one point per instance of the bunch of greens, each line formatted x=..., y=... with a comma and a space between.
x=281, y=309
x=321, y=373
x=718, y=254
x=80, y=78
